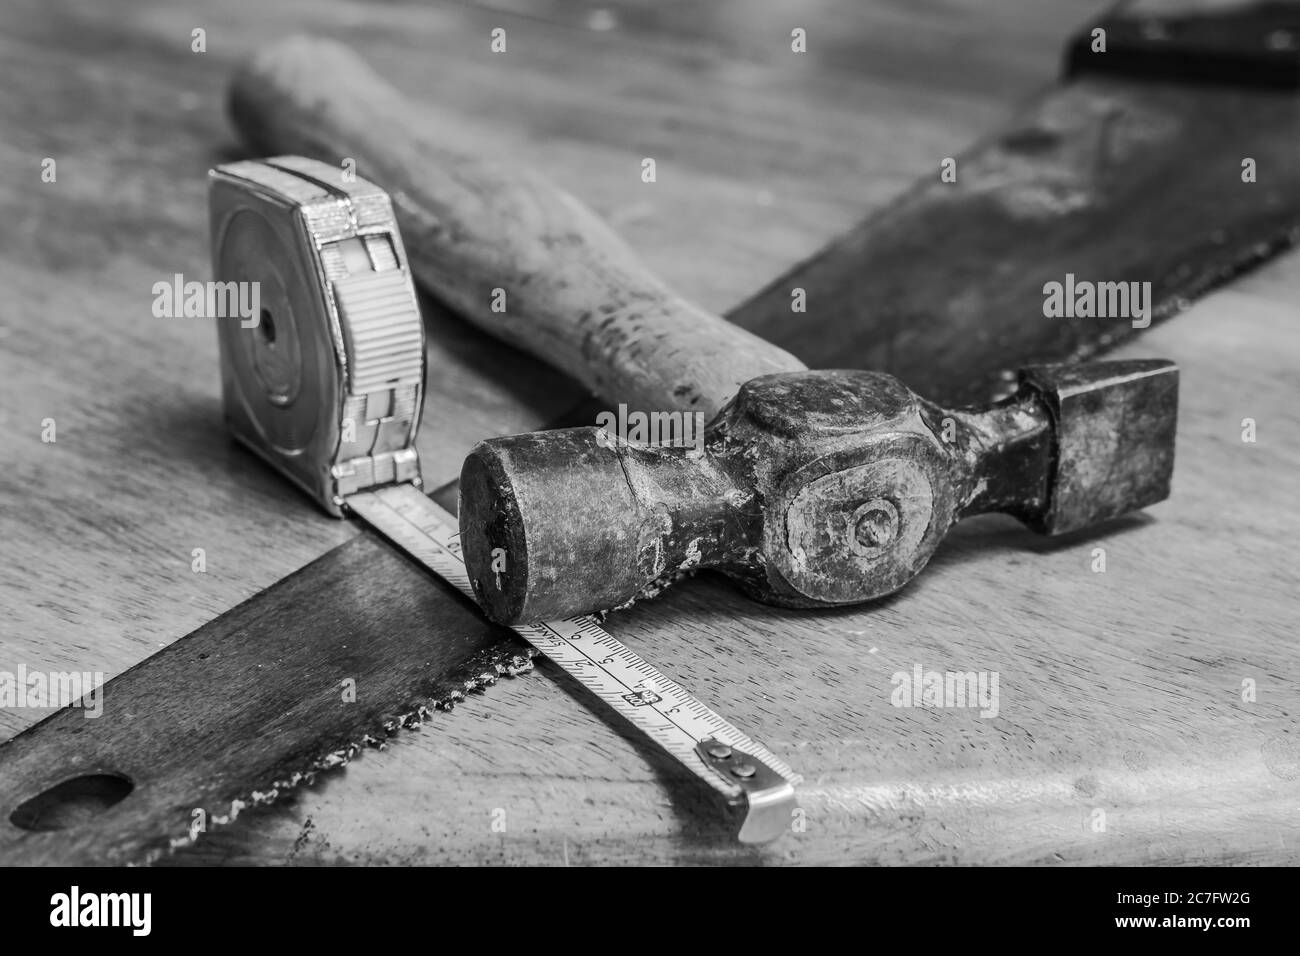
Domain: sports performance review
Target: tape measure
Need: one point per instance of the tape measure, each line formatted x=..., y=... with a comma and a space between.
x=327, y=386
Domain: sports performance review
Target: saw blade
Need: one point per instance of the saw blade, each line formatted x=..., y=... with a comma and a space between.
x=1155, y=188
x=249, y=706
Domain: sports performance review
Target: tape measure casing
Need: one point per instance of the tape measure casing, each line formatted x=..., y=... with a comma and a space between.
x=329, y=383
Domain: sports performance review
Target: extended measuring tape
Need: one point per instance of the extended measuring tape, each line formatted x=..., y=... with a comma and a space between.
x=328, y=388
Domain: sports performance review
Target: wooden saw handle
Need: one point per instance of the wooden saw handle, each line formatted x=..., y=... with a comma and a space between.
x=575, y=294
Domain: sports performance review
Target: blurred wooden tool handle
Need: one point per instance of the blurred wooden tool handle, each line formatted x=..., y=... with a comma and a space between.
x=572, y=292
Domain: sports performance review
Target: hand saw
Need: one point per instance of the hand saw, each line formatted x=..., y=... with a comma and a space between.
x=296, y=618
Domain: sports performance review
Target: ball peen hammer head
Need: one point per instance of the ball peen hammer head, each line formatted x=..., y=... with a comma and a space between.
x=810, y=489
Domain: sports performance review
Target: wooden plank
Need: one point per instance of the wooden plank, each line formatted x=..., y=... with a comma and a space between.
x=98, y=582
x=1121, y=693
x=765, y=155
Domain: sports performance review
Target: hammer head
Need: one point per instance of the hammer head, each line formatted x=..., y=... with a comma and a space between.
x=809, y=488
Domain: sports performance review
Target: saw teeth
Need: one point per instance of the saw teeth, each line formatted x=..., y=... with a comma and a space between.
x=413, y=715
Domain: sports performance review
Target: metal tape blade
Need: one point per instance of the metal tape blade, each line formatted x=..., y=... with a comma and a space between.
x=659, y=707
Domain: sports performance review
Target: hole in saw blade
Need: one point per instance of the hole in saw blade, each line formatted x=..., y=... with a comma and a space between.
x=72, y=802
x=266, y=325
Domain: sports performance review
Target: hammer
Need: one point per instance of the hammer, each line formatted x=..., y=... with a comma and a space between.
x=808, y=488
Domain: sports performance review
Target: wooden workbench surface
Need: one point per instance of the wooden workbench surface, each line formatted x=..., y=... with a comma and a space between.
x=1121, y=692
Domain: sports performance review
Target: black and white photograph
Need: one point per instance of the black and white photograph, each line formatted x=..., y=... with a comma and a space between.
x=621, y=434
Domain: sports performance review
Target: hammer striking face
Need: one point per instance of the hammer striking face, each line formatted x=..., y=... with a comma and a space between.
x=812, y=489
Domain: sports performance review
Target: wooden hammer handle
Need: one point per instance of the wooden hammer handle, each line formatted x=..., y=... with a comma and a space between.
x=573, y=293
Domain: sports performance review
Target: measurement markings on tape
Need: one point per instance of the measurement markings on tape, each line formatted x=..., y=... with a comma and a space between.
x=743, y=771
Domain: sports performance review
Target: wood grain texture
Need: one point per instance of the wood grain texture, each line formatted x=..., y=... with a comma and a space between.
x=134, y=119
x=1120, y=691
